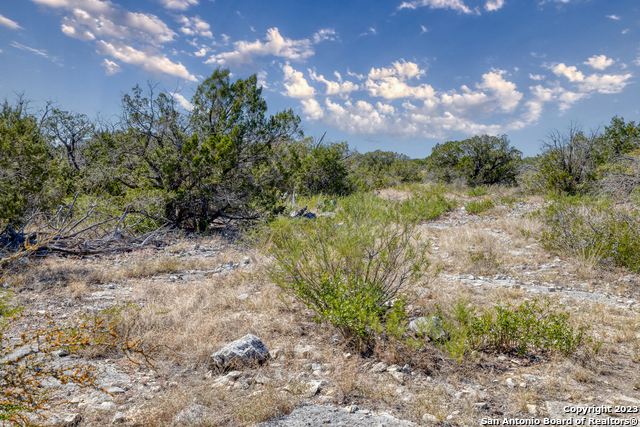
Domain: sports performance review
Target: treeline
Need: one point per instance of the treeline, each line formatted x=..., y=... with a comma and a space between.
x=225, y=158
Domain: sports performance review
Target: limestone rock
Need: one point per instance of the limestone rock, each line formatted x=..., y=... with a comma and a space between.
x=430, y=327
x=245, y=351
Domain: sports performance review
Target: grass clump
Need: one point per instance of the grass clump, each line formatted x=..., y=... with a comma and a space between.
x=593, y=230
x=476, y=207
x=478, y=191
x=350, y=268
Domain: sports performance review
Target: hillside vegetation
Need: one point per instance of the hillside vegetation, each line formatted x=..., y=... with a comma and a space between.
x=470, y=284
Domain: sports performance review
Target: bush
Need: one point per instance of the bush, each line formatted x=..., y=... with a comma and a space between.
x=525, y=329
x=481, y=160
x=348, y=269
x=475, y=207
x=594, y=230
x=426, y=204
x=382, y=169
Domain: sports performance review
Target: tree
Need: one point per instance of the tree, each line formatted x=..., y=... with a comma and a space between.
x=206, y=163
x=481, y=160
x=70, y=130
x=568, y=160
x=25, y=164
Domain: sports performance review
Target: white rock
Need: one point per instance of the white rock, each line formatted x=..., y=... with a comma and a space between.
x=245, y=351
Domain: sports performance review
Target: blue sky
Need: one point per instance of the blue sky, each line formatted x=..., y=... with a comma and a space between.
x=390, y=75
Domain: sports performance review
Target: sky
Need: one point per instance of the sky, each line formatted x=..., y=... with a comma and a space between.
x=397, y=75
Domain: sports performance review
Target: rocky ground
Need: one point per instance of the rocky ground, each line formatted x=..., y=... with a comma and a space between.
x=197, y=296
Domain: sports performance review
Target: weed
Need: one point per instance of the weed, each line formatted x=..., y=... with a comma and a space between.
x=478, y=191
x=476, y=207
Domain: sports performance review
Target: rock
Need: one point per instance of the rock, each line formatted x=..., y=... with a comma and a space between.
x=243, y=297
x=106, y=407
x=529, y=377
x=379, y=367
x=393, y=368
x=118, y=418
x=246, y=351
x=115, y=390
x=351, y=409
x=406, y=369
x=428, y=418
x=327, y=399
x=314, y=387
x=509, y=382
x=71, y=420
x=430, y=327
x=398, y=376
x=532, y=409
x=191, y=415
x=245, y=261
x=481, y=405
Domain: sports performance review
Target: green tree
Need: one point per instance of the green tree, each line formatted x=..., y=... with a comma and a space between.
x=26, y=166
x=481, y=160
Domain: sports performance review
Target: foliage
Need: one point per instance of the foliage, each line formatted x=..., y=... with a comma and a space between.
x=528, y=328
x=426, y=204
x=592, y=229
x=382, y=169
x=29, y=178
x=478, y=206
x=481, y=160
x=478, y=191
x=27, y=366
x=367, y=252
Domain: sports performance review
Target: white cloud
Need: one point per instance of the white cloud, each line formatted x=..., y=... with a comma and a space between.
x=312, y=109
x=178, y=4
x=625, y=31
x=457, y=5
x=202, y=52
x=493, y=5
x=393, y=88
x=403, y=70
x=6, y=22
x=614, y=17
x=40, y=52
x=274, y=44
x=424, y=29
x=262, y=79
x=182, y=101
x=571, y=73
x=599, y=62
x=88, y=19
x=152, y=62
x=194, y=26
x=296, y=84
x=334, y=88
x=536, y=77
x=111, y=67
x=504, y=91
x=325, y=34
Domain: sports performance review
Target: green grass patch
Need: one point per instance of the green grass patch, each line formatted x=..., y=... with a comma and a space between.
x=476, y=207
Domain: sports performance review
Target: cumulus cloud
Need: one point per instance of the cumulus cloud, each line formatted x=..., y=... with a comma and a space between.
x=194, y=26
x=129, y=37
x=403, y=70
x=614, y=17
x=457, y=5
x=505, y=92
x=89, y=19
x=182, y=101
x=602, y=83
x=334, y=88
x=295, y=83
x=536, y=77
x=493, y=5
x=274, y=44
x=152, y=62
x=6, y=22
x=599, y=62
x=178, y=4
x=393, y=88
x=325, y=34
x=111, y=67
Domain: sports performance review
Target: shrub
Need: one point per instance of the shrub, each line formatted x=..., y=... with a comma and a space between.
x=350, y=268
x=425, y=205
x=481, y=160
x=475, y=207
x=594, y=230
x=525, y=328
x=530, y=327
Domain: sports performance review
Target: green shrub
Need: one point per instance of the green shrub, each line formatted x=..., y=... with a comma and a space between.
x=593, y=230
x=476, y=207
x=481, y=160
x=525, y=329
x=351, y=267
x=478, y=191
x=425, y=206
